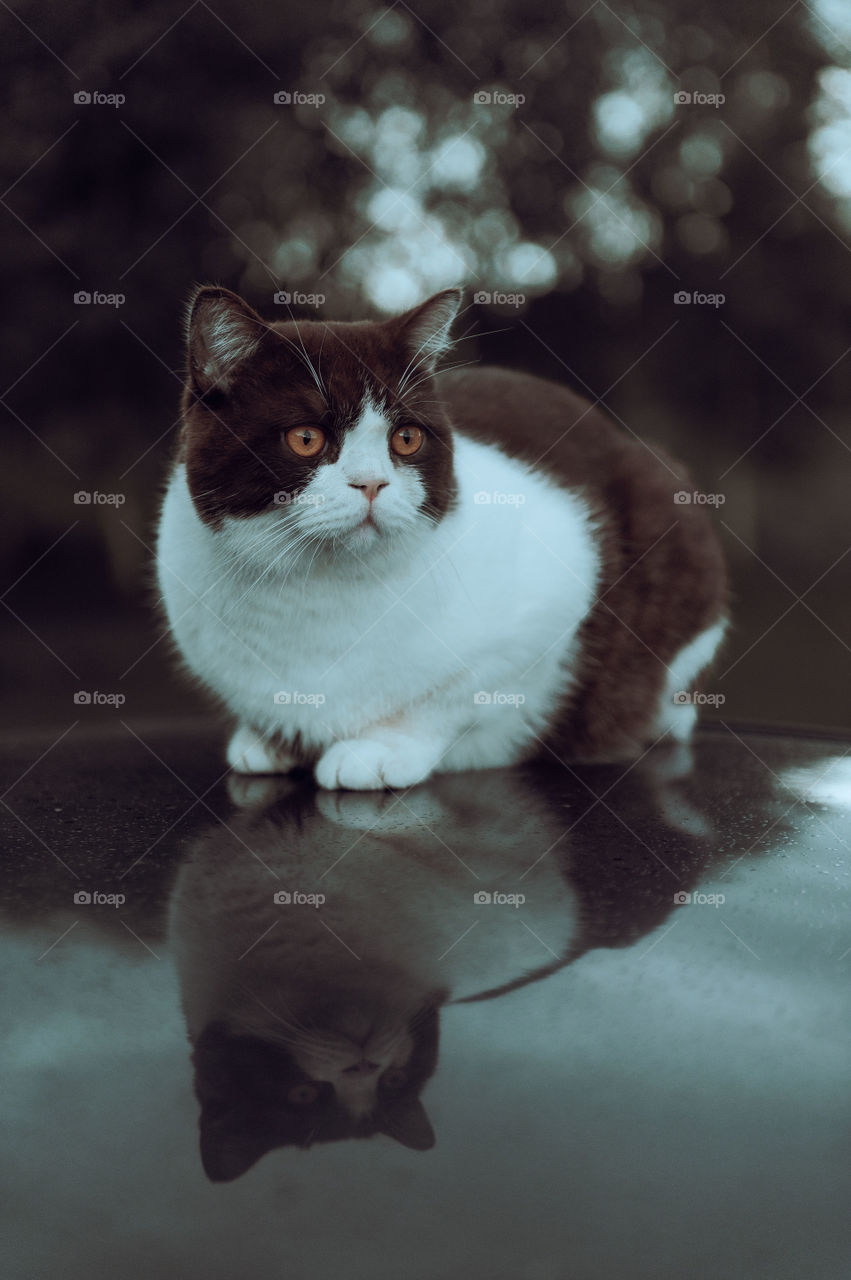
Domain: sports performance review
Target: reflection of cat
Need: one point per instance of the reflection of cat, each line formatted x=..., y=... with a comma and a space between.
x=316, y=1023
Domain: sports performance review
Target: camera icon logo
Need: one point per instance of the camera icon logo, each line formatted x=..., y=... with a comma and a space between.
x=82, y=498
x=482, y=298
x=682, y=699
x=483, y=97
x=82, y=897
x=482, y=898
x=82, y=298
x=682, y=298
x=82, y=97
x=482, y=698
x=682, y=498
x=282, y=698
x=282, y=98
x=283, y=898
x=682, y=899
x=82, y=698
x=282, y=298
x=682, y=98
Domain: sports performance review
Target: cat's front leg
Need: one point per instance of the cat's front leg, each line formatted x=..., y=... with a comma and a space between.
x=386, y=758
x=249, y=753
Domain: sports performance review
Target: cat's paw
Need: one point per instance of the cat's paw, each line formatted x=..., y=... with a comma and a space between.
x=368, y=764
x=248, y=753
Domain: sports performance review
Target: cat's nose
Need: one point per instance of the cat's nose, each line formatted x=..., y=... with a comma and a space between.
x=362, y=1068
x=369, y=488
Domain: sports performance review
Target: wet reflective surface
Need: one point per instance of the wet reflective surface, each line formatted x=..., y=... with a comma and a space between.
x=540, y=1025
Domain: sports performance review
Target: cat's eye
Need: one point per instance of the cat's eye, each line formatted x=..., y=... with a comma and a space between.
x=301, y=1095
x=395, y=1078
x=406, y=440
x=305, y=442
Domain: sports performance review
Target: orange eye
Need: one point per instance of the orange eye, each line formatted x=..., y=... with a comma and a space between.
x=406, y=440
x=301, y=1095
x=306, y=442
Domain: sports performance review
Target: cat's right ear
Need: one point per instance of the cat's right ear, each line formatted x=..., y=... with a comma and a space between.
x=222, y=333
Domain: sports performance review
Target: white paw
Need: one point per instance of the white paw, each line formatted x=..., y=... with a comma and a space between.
x=247, y=753
x=368, y=764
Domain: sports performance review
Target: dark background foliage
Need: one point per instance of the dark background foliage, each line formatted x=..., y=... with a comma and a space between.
x=581, y=211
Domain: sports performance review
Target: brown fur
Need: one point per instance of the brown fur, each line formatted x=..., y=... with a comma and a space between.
x=231, y=440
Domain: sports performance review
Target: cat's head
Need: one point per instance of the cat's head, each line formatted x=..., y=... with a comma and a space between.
x=319, y=435
x=302, y=1085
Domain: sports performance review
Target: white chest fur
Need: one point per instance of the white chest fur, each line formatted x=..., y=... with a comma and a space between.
x=467, y=630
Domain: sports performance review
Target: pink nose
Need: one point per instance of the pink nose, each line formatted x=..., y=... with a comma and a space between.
x=370, y=489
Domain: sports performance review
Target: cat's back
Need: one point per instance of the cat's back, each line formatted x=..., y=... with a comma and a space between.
x=547, y=425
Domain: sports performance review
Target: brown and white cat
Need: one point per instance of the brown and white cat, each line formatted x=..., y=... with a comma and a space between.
x=385, y=571
x=316, y=1019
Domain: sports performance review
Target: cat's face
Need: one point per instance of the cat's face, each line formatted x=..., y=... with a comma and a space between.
x=295, y=1085
x=313, y=436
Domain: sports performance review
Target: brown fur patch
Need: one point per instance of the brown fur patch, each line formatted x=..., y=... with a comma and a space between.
x=232, y=435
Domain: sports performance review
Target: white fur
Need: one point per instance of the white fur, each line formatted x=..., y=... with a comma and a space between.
x=382, y=637
x=674, y=716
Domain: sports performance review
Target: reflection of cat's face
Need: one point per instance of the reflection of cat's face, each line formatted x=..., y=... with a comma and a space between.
x=293, y=1083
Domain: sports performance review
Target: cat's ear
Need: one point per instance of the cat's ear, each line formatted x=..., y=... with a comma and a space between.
x=230, y=1146
x=223, y=331
x=425, y=330
x=408, y=1123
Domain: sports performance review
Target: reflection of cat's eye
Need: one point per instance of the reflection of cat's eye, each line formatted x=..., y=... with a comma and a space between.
x=306, y=442
x=406, y=440
x=395, y=1078
x=301, y=1095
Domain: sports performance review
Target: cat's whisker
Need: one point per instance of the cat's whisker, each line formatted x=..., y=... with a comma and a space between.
x=306, y=359
x=462, y=364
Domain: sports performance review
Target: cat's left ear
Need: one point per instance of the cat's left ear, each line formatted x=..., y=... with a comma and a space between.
x=425, y=329
x=408, y=1123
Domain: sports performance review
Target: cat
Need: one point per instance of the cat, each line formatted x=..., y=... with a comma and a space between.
x=384, y=570
x=318, y=1021
x=315, y=1021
